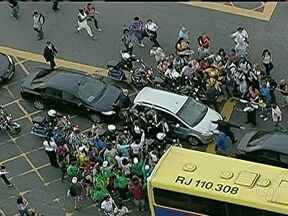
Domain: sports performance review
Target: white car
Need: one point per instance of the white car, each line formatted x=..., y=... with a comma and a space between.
x=189, y=119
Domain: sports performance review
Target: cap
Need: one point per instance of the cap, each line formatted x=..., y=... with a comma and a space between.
x=135, y=160
x=52, y=113
x=74, y=180
x=105, y=163
x=111, y=127
x=160, y=136
x=146, y=167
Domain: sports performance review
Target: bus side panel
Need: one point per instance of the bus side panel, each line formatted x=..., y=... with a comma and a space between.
x=161, y=211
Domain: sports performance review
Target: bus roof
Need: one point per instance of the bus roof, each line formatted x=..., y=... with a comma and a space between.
x=260, y=186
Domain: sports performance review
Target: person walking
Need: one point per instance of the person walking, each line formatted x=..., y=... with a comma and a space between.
x=55, y=5
x=49, y=54
x=82, y=23
x=3, y=173
x=50, y=149
x=151, y=29
x=90, y=12
x=267, y=61
x=13, y=4
x=22, y=206
x=38, y=22
x=137, y=28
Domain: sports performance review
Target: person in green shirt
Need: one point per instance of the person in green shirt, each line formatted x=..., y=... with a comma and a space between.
x=137, y=167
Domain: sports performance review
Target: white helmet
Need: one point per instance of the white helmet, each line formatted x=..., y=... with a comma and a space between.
x=111, y=127
x=160, y=136
x=52, y=113
x=74, y=180
x=135, y=160
x=125, y=56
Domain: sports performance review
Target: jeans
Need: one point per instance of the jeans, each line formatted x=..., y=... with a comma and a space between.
x=24, y=212
x=40, y=32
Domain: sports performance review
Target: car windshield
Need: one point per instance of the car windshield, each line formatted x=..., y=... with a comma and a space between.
x=258, y=135
x=192, y=112
x=91, y=90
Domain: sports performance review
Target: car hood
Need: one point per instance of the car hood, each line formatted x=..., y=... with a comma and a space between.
x=206, y=125
x=109, y=97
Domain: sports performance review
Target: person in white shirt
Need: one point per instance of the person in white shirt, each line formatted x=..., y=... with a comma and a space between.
x=82, y=23
x=108, y=206
x=241, y=41
x=121, y=210
x=50, y=149
x=276, y=114
x=137, y=145
x=151, y=29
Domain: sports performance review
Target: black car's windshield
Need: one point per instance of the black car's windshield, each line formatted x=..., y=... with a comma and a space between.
x=192, y=112
x=91, y=90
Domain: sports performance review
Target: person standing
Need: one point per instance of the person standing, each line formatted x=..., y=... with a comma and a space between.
x=82, y=23
x=136, y=188
x=22, y=206
x=50, y=149
x=13, y=4
x=267, y=61
x=107, y=206
x=183, y=33
x=127, y=42
x=225, y=127
x=91, y=13
x=75, y=192
x=55, y=5
x=137, y=28
x=49, y=54
x=276, y=114
x=38, y=22
x=3, y=173
x=151, y=30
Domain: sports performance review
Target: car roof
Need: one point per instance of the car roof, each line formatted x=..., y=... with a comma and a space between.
x=160, y=98
x=273, y=141
x=67, y=81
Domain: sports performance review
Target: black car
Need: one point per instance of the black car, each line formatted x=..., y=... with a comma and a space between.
x=71, y=89
x=264, y=147
x=7, y=67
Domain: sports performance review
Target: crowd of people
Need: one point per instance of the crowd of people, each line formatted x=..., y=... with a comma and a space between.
x=111, y=164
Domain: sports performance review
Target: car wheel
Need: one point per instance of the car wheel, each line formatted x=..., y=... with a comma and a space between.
x=194, y=141
x=95, y=118
x=38, y=105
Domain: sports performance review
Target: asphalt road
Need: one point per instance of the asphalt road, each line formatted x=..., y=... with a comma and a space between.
x=27, y=163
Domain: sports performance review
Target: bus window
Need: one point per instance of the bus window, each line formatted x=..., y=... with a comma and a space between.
x=238, y=210
x=188, y=203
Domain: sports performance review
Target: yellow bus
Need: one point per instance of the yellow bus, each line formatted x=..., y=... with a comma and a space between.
x=193, y=183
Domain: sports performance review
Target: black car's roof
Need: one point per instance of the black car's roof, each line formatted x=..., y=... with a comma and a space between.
x=67, y=81
x=277, y=142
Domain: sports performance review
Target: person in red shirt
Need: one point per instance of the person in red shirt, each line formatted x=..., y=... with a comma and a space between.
x=204, y=45
x=91, y=12
x=136, y=188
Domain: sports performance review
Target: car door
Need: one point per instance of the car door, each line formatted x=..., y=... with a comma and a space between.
x=265, y=157
x=53, y=96
x=177, y=127
x=283, y=160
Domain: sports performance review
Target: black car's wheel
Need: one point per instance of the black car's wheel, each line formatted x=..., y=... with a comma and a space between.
x=194, y=141
x=38, y=105
x=95, y=118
